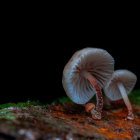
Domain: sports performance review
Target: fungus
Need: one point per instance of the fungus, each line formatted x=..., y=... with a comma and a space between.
x=119, y=86
x=89, y=107
x=85, y=74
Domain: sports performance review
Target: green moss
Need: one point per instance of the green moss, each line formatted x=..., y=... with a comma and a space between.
x=62, y=100
x=22, y=104
x=135, y=97
x=7, y=105
x=6, y=114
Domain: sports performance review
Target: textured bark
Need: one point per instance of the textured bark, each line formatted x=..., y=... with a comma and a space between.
x=67, y=121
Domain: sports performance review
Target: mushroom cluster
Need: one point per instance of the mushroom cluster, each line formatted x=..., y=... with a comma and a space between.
x=87, y=72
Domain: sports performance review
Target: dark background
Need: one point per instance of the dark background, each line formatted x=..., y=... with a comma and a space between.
x=35, y=53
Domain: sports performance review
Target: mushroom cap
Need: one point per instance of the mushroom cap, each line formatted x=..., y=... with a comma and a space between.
x=89, y=107
x=125, y=77
x=97, y=62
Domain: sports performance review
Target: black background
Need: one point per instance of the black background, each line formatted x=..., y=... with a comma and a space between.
x=36, y=51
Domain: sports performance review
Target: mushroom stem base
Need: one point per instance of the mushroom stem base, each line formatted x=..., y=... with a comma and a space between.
x=96, y=115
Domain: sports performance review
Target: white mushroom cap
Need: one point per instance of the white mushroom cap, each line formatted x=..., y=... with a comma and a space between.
x=97, y=62
x=125, y=77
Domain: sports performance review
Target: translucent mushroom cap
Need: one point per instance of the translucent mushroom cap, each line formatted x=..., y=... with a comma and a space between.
x=97, y=62
x=125, y=77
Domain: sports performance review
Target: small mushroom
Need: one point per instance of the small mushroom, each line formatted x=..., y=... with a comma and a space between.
x=89, y=107
x=85, y=74
x=119, y=86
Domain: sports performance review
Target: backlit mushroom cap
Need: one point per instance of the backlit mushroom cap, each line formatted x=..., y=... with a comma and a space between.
x=97, y=62
x=127, y=78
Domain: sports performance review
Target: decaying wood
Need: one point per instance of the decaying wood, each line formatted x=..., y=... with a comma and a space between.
x=68, y=121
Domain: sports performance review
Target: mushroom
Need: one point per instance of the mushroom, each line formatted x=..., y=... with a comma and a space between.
x=119, y=86
x=89, y=107
x=85, y=74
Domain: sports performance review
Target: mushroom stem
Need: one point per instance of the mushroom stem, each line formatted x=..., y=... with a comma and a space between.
x=91, y=79
x=126, y=100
